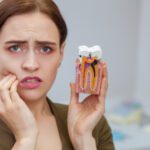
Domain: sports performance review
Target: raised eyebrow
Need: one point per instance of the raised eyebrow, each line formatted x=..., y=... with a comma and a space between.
x=46, y=42
x=37, y=42
x=15, y=41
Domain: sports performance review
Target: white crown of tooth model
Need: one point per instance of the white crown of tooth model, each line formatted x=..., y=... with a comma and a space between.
x=94, y=51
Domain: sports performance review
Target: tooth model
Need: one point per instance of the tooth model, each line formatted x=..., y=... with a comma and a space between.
x=89, y=70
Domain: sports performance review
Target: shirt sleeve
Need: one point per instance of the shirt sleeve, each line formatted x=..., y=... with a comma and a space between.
x=103, y=135
x=7, y=139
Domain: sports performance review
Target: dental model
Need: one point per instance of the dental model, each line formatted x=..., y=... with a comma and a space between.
x=89, y=70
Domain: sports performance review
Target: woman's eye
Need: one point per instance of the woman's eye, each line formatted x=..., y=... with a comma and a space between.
x=46, y=49
x=15, y=48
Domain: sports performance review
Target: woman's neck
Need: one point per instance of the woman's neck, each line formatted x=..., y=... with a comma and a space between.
x=40, y=108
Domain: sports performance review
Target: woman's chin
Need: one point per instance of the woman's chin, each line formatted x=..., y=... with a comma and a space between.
x=30, y=95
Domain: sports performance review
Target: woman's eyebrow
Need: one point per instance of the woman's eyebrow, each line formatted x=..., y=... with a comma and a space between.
x=15, y=41
x=46, y=42
x=37, y=42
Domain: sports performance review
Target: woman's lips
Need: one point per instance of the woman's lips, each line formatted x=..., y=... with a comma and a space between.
x=30, y=85
x=31, y=78
x=30, y=82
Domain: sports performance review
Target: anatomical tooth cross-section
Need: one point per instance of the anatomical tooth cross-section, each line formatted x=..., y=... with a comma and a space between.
x=89, y=70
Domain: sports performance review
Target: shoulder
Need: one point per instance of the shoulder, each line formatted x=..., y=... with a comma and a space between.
x=61, y=109
x=102, y=132
x=58, y=109
x=7, y=138
x=103, y=135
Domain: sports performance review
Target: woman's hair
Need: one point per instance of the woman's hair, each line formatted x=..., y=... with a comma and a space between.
x=9, y=8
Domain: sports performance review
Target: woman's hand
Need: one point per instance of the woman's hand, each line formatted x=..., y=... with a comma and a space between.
x=13, y=110
x=83, y=117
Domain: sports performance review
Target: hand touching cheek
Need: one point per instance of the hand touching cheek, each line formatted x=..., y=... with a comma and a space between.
x=13, y=110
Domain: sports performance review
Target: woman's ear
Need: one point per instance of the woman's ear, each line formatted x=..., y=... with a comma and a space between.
x=62, y=52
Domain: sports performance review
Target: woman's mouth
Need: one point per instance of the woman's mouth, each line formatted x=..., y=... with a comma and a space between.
x=30, y=82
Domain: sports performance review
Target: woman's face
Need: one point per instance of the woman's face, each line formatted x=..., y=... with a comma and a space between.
x=29, y=46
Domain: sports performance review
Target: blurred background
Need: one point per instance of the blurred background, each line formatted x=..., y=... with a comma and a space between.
x=122, y=29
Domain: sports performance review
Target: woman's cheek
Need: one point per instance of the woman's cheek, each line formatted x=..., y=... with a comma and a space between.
x=6, y=67
x=51, y=75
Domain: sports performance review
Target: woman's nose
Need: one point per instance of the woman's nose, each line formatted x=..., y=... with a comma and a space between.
x=30, y=63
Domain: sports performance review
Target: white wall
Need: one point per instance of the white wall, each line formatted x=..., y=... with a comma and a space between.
x=142, y=87
x=114, y=25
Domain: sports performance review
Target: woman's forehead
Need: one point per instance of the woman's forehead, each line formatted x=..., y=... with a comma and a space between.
x=32, y=24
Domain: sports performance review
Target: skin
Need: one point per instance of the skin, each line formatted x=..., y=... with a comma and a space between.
x=27, y=59
x=83, y=116
x=28, y=106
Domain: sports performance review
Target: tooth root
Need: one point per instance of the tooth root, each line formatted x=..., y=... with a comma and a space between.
x=84, y=59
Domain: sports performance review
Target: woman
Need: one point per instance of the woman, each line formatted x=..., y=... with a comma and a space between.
x=32, y=40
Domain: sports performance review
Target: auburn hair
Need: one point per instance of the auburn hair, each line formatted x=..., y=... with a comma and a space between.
x=9, y=8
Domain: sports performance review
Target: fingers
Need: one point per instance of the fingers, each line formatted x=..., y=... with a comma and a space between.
x=74, y=99
x=13, y=91
x=1, y=107
x=5, y=98
x=14, y=86
x=104, y=85
x=6, y=82
x=5, y=85
x=105, y=78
